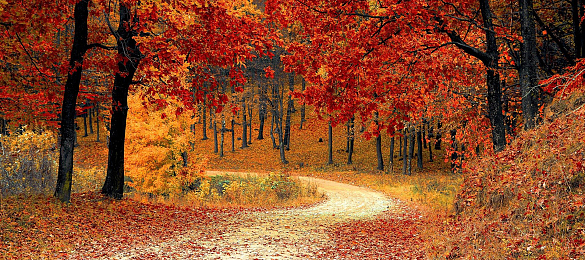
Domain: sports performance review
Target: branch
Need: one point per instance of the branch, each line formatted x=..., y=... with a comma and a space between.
x=475, y=52
x=99, y=45
x=556, y=39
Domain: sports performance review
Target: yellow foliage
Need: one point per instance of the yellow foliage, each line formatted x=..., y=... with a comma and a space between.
x=27, y=163
x=157, y=146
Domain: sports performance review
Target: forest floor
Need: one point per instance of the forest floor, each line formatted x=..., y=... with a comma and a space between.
x=353, y=223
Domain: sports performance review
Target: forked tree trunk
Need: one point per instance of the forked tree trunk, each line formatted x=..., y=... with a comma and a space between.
x=128, y=48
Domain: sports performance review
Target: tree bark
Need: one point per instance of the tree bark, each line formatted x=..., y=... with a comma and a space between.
x=410, y=152
x=244, y=125
x=391, y=159
x=204, y=120
x=419, y=150
x=127, y=48
x=215, y=141
x=249, y=124
x=405, y=153
x=65, y=169
x=351, y=138
x=222, y=136
x=577, y=12
x=329, y=143
x=490, y=59
x=289, y=110
x=529, y=65
x=262, y=118
x=303, y=107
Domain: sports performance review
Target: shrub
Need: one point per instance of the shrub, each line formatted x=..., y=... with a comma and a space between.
x=27, y=163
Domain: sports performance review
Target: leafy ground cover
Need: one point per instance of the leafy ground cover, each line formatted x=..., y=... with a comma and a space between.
x=95, y=226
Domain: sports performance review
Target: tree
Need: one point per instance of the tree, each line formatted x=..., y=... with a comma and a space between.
x=130, y=57
x=80, y=47
x=529, y=65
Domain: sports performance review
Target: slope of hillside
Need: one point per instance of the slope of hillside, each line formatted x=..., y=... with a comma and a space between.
x=527, y=201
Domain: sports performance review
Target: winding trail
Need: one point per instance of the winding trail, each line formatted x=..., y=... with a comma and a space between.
x=278, y=234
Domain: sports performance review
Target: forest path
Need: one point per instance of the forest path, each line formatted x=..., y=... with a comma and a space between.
x=277, y=234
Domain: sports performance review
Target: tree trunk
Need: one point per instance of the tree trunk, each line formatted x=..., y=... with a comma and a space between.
x=438, y=136
x=289, y=110
x=85, y=124
x=233, y=135
x=330, y=144
x=419, y=142
x=490, y=59
x=215, y=141
x=250, y=124
x=303, y=105
x=529, y=66
x=405, y=153
x=262, y=118
x=65, y=170
x=454, y=147
x=379, y=152
x=350, y=141
x=430, y=149
x=391, y=159
x=90, y=111
x=222, y=136
x=272, y=127
x=576, y=10
x=204, y=120
x=244, y=125
x=410, y=152
x=128, y=48
x=97, y=122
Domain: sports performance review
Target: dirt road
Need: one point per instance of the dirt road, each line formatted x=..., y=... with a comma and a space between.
x=278, y=234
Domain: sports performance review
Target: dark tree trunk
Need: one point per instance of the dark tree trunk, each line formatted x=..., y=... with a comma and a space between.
x=454, y=147
x=430, y=135
x=97, y=122
x=204, y=120
x=405, y=153
x=391, y=159
x=410, y=151
x=329, y=143
x=289, y=111
x=272, y=126
x=244, y=125
x=222, y=136
x=85, y=124
x=350, y=140
x=529, y=66
x=90, y=111
x=303, y=105
x=65, y=170
x=262, y=118
x=577, y=13
x=215, y=141
x=379, y=152
x=438, y=136
x=490, y=59
x=400, y=146
x=419, y=150
x=424, y=136
x=127, y=47
x=250, y=124
x=233, y=135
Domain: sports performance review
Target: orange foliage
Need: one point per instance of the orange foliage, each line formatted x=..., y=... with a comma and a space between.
x=527, y=200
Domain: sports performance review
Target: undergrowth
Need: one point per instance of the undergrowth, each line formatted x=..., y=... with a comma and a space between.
x=272, y=190
x=527, y=201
